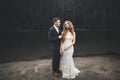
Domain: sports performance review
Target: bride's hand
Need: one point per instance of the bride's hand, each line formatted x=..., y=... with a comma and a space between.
x=61, y=52
x=65, y=48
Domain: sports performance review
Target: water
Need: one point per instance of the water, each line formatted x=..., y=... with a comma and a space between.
x=31, y=45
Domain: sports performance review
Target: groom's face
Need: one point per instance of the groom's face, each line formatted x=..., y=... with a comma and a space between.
x=57, y=23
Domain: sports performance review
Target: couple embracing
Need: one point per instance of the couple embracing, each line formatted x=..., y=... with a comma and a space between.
x=62, y=45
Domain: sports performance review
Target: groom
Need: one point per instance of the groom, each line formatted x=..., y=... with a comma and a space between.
x=54, y=36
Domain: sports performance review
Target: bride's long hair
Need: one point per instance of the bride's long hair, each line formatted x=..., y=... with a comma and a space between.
x=65, y=30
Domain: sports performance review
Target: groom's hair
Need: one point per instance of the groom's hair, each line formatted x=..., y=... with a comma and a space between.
x=55, y=19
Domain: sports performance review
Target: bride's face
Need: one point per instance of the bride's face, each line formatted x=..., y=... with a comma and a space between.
x=66, y=25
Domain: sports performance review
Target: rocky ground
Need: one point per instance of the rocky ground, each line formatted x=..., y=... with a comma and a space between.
x=102, y=67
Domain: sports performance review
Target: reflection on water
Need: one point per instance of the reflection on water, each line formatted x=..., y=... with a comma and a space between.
x=34, y=44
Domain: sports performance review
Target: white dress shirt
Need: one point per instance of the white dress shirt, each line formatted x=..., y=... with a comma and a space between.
x=56, y=28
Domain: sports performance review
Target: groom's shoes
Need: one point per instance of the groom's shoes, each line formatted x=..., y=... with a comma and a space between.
x=56, y=74
x=60, y=73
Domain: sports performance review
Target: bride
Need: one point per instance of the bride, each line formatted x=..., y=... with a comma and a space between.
x=67, y=65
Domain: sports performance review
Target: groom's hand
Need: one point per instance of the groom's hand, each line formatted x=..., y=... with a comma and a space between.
x=59, y=36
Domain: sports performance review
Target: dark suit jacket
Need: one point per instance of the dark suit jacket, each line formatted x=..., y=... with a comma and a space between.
x=53, y=39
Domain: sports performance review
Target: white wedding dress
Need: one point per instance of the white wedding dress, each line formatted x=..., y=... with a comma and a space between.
x=67, y=65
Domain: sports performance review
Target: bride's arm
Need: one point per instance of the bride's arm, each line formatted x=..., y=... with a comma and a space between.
x=73, y=42
x=61, y=46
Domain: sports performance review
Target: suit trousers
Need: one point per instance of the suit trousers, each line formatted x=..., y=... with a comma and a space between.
x=56, y=61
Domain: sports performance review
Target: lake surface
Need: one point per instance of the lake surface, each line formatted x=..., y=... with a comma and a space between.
x=30, y=45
